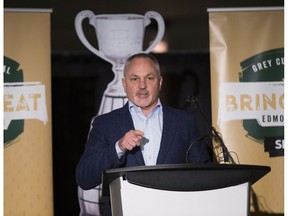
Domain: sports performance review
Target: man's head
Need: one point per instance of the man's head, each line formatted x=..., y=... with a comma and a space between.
x=142, y=81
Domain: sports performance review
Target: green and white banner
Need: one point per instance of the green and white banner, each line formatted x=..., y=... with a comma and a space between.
x=247, y=82
x=28, y=182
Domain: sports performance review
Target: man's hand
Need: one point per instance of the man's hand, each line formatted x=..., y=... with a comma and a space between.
x=130, y=140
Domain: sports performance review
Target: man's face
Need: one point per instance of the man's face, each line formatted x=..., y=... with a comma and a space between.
x=142, y=84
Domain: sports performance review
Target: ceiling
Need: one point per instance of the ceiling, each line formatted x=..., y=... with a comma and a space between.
x=186, y=21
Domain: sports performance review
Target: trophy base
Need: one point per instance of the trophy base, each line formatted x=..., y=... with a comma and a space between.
x=110, y=103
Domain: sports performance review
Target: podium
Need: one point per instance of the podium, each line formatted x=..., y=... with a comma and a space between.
x=182, y=189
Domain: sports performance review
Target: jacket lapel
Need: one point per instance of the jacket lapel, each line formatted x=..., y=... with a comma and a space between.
x=167, y=135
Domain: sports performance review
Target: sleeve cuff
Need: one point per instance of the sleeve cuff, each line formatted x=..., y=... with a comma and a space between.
x=119, y=152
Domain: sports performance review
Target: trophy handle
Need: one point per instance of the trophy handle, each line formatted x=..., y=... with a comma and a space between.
x=79, y=30
x=161, y=28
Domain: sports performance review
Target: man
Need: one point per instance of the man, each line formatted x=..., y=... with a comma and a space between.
x=143, y=132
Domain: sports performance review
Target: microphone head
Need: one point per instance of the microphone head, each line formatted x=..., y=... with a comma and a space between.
x=192, y=99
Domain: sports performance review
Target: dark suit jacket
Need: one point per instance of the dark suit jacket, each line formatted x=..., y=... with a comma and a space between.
x=179, y=132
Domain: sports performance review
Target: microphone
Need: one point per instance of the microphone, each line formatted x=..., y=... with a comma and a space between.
x=216, y=136
x=213, y=134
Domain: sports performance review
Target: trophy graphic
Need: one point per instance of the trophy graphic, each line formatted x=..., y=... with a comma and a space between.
x=119, y=36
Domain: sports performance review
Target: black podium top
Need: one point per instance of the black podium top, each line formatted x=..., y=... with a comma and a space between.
x=188, y=177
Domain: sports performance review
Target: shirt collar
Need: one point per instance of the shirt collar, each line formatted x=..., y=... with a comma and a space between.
x=138, y=109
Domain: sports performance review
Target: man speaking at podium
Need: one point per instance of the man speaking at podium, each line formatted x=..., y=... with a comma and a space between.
x=143, y=132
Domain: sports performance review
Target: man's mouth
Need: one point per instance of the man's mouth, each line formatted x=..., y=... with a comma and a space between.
x=142, y=93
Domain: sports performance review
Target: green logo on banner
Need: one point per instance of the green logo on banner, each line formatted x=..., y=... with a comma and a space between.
x=22, y=100
x=266, y=67
x=12, y=74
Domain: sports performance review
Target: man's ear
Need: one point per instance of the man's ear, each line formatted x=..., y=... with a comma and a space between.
x=160, y=82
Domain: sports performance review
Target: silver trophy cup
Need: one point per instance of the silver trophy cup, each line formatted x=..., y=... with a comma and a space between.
x=119, y=36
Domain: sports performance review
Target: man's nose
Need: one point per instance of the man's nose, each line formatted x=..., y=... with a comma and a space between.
x=142, y=84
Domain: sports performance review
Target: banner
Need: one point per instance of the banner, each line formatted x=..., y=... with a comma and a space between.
x=247, y=84
x=28, y=182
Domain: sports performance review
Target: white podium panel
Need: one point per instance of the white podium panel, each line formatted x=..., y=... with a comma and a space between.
x=132, y=200
x=182, y=189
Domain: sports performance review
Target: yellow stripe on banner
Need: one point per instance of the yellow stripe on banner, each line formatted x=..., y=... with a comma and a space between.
x=28, y=182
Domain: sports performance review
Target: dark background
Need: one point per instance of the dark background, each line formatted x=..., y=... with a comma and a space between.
x=79, y=77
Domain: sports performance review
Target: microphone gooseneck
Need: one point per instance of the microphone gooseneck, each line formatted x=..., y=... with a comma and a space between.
x=213, y=134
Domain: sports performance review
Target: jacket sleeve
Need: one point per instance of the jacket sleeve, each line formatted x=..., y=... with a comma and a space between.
x=99, y=155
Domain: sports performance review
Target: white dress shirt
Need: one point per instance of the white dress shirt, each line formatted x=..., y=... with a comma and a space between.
x=151, y=125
